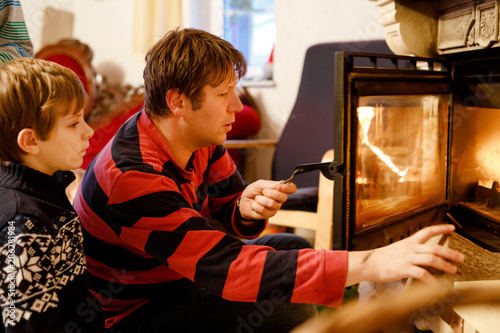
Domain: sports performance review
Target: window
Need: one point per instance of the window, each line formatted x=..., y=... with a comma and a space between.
x=250, y=25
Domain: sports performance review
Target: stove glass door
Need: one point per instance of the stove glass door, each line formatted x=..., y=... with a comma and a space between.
x=391, y=147
x=400, y=156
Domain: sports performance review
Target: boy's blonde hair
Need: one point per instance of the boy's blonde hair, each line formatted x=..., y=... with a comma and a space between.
x=33, y=93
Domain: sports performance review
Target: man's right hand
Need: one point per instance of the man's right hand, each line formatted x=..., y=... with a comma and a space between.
x=263, y=198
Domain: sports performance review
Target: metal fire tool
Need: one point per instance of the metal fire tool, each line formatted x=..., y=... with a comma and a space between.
x=325, y=168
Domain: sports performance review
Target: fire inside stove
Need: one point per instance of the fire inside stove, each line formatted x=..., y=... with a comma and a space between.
x=401, y=156
x=475, y=167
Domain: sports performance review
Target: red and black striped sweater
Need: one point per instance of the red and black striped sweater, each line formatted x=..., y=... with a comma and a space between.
x=150, y=226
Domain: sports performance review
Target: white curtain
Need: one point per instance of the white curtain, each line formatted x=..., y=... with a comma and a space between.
x=152, y=19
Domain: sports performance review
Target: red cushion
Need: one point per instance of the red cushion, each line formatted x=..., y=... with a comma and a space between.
x=104, y=134
x=247, y=123
x=72, y=64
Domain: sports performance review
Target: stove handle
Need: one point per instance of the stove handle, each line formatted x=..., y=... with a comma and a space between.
x=335, y=169
x=330, y=170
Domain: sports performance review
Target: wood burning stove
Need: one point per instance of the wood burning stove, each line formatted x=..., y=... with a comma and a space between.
x=417, y=142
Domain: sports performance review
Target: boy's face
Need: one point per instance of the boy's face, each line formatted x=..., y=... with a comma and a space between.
x=209, y=124
x=66, y=145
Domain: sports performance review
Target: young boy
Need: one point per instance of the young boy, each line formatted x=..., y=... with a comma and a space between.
x=43, y=281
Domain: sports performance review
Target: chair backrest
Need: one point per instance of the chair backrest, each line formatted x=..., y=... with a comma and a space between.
x=308, y=133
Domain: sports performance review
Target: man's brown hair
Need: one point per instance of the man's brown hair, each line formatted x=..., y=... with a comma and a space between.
x=187, y=60
x=33, y=94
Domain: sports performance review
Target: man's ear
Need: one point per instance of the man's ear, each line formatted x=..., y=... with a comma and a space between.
x=175, y=102
x=28, y=141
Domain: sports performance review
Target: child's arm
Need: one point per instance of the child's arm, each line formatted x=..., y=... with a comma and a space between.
x=15, y=41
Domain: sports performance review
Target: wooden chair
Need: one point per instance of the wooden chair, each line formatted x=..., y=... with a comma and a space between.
x=321, y=220
x=106, y=126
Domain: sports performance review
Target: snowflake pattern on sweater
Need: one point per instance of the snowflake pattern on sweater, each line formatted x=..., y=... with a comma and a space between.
x=37, y=262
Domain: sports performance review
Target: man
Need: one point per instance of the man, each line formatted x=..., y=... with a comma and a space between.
x=163, y=208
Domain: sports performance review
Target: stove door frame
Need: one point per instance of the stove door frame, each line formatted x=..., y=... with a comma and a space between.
x=360, y=74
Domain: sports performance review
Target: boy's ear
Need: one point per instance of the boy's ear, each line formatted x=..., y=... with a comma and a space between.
x=175, y=102
x=28, y=141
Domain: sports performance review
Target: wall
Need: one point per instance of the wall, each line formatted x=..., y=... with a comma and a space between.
x=106, y=25
x=301, y=24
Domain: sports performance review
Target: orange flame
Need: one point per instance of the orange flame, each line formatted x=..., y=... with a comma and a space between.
x=365, y=115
